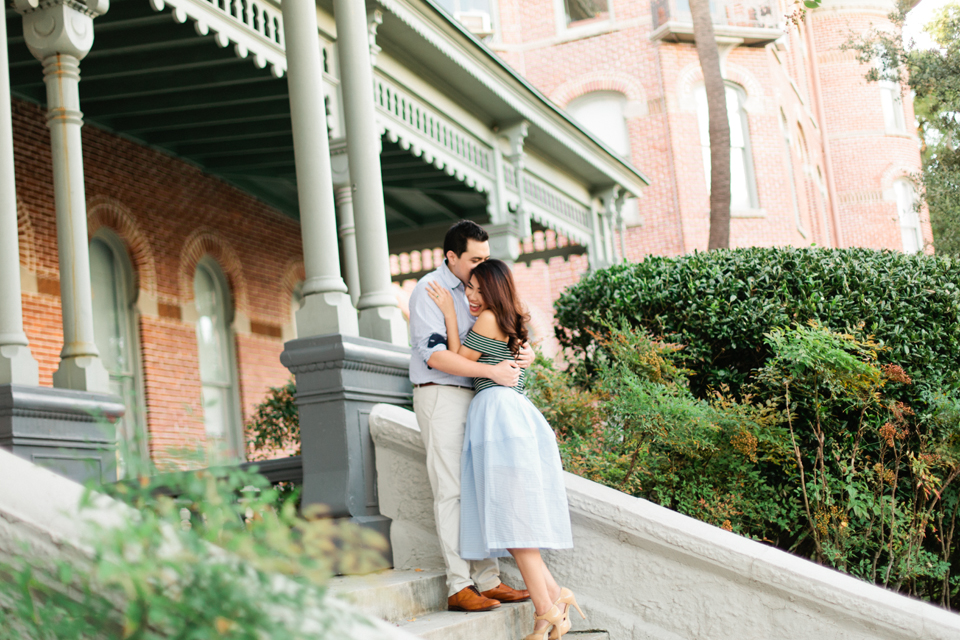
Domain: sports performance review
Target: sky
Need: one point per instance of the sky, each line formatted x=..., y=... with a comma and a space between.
x=917, y=18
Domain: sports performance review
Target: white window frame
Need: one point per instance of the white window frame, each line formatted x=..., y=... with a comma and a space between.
x=749, y=167
x=234, y=436
x=127, y=296
x=606, y=95
x=581, y=27
x=908, y=215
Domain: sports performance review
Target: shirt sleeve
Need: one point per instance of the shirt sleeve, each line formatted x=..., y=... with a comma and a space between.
x=428, y=331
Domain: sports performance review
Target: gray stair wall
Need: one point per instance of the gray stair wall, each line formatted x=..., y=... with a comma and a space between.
x=641, y=571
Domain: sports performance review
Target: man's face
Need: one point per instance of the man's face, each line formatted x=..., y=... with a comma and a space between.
x=476, y=253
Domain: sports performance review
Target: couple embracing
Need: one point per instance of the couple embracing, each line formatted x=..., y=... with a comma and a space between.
x=492, y=459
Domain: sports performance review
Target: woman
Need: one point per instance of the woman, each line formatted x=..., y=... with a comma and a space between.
x=512, y=494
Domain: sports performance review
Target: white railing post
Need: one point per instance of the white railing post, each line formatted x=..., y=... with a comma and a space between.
x=60, y=34
x=326, y=306
x=17, y=365
x=380, y=316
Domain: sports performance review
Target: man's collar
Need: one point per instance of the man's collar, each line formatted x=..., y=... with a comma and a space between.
x=449, y=279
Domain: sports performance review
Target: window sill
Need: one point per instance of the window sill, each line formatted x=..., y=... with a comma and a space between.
x=748, y=213
x=586, y=29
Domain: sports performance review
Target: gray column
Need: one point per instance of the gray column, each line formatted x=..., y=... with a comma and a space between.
x=326, y=306
x=380, y=317
x=60, y=34
x=346, y=231
x=17, y=365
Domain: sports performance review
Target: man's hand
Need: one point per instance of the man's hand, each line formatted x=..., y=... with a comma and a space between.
x=506, y=374
x=527, y=356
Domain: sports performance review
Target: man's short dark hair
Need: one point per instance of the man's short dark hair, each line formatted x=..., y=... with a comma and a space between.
x=459, y=233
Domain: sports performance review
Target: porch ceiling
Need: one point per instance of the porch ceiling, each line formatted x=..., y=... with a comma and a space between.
x=157, y=82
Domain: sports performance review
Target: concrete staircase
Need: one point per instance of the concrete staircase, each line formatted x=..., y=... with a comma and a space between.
x=416, y=601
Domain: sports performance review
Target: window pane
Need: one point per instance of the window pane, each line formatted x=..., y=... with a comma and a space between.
x=215, y=413
x=211, y=329
x=585, y=9
x=740, y=177
x=601, y=113
x=739, y=189
x=735, y=117
x=107, y=315
x=908, y=216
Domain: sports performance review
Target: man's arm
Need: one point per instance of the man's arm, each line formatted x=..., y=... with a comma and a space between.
x=429, y=341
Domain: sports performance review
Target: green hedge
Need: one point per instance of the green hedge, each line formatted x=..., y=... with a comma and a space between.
x=720, y=304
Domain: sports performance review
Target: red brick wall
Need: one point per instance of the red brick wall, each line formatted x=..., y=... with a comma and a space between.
x=158, y=205
x=656, y=77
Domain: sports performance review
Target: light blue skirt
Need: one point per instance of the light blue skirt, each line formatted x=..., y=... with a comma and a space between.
x=512, y=494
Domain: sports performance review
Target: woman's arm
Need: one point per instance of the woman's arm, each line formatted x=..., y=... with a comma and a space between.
x=441, y=295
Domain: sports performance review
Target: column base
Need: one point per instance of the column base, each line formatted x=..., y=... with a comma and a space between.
x=70, y=432
x=18, y=366
x=339, y=380
x=504, y=242
x=385, y=324
x=83, y=373
x=326, y=313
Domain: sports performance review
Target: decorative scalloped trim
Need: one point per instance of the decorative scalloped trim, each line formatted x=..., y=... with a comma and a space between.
x=227, y=30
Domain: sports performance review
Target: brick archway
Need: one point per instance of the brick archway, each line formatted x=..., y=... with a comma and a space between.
x=599, y=81
x=104, y=212
x=26, y=239
x=207, y=242
x=293, y=274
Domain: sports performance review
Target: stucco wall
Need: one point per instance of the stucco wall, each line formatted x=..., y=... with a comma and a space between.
x=643, y=571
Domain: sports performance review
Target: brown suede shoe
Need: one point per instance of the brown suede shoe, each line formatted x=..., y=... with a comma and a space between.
x=503, y=593
x=469, y=599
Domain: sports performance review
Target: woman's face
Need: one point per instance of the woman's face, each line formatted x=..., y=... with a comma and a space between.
x=474, y=297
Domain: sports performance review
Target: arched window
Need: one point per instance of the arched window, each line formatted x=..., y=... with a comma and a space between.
x=908, y=215
x=891, y=101
x=601, y=113
x=743, y=184
x=296, y=301
x=115, y=334
x=221, y=414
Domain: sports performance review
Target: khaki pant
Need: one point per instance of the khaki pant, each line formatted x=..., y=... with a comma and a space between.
x=442, y=414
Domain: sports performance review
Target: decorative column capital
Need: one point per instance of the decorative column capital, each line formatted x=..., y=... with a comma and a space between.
x=374, y=20
x=515, y=135
x=62, y=27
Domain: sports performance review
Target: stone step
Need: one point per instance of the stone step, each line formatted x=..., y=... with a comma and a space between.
x=394, y=596
x=416, y=601
x=507, y=622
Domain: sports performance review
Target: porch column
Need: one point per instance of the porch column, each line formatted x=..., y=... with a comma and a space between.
x=346, y=231
x=17, y=365
x=60, y=34
x=380, y=317
x=326, y=306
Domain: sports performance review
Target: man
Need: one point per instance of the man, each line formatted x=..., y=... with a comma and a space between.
x=443, y=389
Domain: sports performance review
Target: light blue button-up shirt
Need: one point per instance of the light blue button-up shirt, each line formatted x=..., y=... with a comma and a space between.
x=428, y=332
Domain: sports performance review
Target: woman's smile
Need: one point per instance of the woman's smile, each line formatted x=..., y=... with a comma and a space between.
x=474, y=298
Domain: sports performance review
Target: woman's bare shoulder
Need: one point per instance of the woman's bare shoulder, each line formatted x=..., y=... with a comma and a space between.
x=487, y=325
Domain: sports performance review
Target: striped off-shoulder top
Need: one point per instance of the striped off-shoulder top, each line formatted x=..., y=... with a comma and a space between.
x=491, y=352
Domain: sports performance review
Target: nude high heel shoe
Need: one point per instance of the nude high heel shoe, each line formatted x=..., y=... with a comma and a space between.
x=566, y=598
x=553, y=618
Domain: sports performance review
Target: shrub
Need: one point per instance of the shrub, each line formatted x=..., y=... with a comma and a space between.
x=164, y=573
x=721, y=304
x=275, y=426
x=817, y=454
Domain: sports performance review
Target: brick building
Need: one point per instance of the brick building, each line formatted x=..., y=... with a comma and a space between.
x=821, y=156
x=199, y=199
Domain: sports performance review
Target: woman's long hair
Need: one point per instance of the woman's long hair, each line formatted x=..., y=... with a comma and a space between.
x=500, y=295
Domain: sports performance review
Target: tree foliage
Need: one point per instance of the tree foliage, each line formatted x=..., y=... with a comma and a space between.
x=816, y=454
x=934, y=77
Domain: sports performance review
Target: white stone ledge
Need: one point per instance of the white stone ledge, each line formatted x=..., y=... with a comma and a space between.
x=644, y=571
